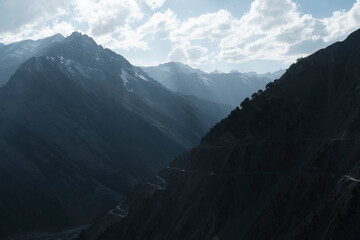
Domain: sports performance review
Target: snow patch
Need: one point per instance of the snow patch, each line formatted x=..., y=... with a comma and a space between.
x=124, y=76
x=142, y=77
x=75, y=68
x=126, y=79
x=49, y=58
x=204, y=79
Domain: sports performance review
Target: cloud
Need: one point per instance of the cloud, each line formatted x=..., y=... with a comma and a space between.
x=15, y=14
x=207, y=26
x=159, y=22
x=177, y=54
x=271, y=14
x=125, y=38
x=189, y=54
x=38, y=30
x=277, y=30
x=107, y=16
x=341, y=23
x=153, y=4
x=108, y=21
x=270, y=30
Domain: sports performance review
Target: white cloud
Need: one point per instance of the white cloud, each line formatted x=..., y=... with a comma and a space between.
x=267, y=31
x=128, y=38
x=159, y=22
x=270, y=30
x=177, y=54
x=341, y=23
x=207, y=26
x=125, y=38
x=281, y=32
x=108, y=21
x=189, y=54
x=153, y=4
x=107, y=16
x=15, y=14
x=38, y=30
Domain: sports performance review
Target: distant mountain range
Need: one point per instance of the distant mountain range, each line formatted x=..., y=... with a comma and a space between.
x=79, y=127
x=284, y=166
x=12, y=55
x=228, y=88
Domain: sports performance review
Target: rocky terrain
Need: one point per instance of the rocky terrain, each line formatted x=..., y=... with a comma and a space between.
x=284, y=166
x=79, y=127
x=14, y=54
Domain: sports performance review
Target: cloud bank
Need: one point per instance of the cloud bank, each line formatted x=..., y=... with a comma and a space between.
x=270, y=30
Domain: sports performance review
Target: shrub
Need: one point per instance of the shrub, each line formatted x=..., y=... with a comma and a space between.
x=245, y=102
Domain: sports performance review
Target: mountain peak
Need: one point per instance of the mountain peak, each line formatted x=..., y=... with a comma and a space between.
x=76, y=34
x=179, y=64
x=82, y=38
x=216, y=71
x=181, y=67
x=58, y=36
x=49, y=40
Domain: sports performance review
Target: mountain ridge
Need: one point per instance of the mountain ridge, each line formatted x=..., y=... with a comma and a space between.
x=284, y=166
x=13, y=54
x=80, y=126
x=227, y=88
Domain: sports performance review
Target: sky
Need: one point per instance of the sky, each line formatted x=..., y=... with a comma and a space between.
x=244, y=35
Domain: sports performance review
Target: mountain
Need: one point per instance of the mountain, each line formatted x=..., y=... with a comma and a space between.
x=274, y=75
x=228, y=88
x=80, y=126
x=284, y=166
x=12, y=55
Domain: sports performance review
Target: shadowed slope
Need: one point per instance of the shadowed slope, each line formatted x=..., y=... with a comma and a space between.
x=282, y=167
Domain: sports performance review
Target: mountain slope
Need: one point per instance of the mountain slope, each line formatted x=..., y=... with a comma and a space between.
x=285, y=166
x=80, y=126
x=229, y=88
x=12, y=55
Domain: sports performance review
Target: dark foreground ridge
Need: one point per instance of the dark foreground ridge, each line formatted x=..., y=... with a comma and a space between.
x=285, y=166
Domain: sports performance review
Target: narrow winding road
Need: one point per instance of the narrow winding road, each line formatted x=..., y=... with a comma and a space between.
x=118, y=211
x=351, y=178
x=122, y=213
